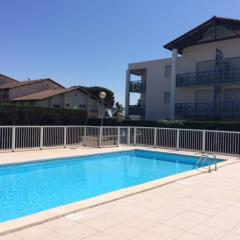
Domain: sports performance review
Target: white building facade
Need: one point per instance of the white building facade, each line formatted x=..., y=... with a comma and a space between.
x=201, y=80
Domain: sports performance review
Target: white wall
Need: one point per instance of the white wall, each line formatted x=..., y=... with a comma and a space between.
x=156, y=85
x=75, y=98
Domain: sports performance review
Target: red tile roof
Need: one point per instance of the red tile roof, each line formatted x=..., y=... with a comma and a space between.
x=50, y=93
x=43, y=94
x=23, y=83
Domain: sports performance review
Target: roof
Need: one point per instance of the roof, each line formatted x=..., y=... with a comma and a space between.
x=193, y=36
x=3, y=77
x=50, y=93
x=43, y=94
x=24, y=83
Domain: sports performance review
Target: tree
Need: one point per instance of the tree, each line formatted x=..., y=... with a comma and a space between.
x=117, y=109
x=139, y=102
x=109, y=100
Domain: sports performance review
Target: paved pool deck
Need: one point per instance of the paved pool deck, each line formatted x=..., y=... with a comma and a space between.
x=204, y=206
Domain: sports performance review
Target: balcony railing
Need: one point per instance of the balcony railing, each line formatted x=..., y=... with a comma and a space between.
x=137, y=86
x=208, y=110
x=137, y=110
x=208, y=78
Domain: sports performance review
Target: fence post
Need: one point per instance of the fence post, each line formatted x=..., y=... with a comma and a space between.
x=65, y=137
x=85, y=136
x=41, y=138
x=135, y=136
x=155, y=137
x=178, y=138
x=128, y=135
x=100, y=136
x=118, y=136
x=13, y=138
x=204, y=141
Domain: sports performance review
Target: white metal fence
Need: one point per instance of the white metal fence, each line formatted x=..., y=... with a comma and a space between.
x=40, y=137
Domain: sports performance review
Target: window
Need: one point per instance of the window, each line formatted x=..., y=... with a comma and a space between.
x=166, y=98
x=167, y=73
x=67, y=104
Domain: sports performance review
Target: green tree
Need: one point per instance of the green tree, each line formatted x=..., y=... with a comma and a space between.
x=109, y=100
x=117, y=109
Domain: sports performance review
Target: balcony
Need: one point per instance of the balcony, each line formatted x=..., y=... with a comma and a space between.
x=137, y=110
x=208, y=78
x=208, y=110
x=137, y=86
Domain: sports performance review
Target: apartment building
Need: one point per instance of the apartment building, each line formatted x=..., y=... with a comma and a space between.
x=201, y=80
x=48, y=93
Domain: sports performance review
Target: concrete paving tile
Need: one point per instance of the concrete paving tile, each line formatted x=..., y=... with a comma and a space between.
x=186, y=220
x=164, y=214
x=221, y=224
x=76, y=232
x=231, y=236
x=163, y=231
x=190, y=236
x=209, y=208
x=141, y=223
x=59, y=223
x=236, y=229
x=34, y=232
x=232, y=214
x=147, y=236
x=10, y=237
x=54, y=236
x=122, y=232
x=100, y=223
x=99, y=236
x=208, y=232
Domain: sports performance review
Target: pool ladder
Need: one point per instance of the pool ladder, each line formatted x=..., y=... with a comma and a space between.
x=209, y=158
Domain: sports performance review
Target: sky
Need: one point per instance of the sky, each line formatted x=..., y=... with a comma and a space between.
x=91, y=42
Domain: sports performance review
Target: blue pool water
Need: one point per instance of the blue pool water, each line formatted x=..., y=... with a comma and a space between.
x=30, y=188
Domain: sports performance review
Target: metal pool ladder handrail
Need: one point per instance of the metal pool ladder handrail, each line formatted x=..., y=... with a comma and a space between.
x=207, y=158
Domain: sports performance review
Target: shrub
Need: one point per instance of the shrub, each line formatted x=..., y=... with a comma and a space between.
x=209, y=125
x=26, y=115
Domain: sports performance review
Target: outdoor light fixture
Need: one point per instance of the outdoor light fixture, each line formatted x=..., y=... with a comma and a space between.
x=102, y=96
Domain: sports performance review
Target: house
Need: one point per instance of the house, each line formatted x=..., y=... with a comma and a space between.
x=200, y=81
x=48, y=93
x=14, y=89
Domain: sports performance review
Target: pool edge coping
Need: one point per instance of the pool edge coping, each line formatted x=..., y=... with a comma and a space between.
x=58, y=212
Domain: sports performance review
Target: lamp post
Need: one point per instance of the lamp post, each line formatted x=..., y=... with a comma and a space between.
x=102, y=96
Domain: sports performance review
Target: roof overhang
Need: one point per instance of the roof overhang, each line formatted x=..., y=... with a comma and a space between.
x=193, y=36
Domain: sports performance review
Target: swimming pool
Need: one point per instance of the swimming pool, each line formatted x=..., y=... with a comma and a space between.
x=34, y=187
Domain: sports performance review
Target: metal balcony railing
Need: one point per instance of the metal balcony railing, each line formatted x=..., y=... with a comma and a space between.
x=209, y=110
x=208, y=78
x=137, y=86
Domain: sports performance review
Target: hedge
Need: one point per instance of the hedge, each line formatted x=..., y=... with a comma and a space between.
x=26, y=115
x=209, y=125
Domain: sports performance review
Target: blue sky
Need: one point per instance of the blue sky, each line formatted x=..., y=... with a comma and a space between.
x=90, y=42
